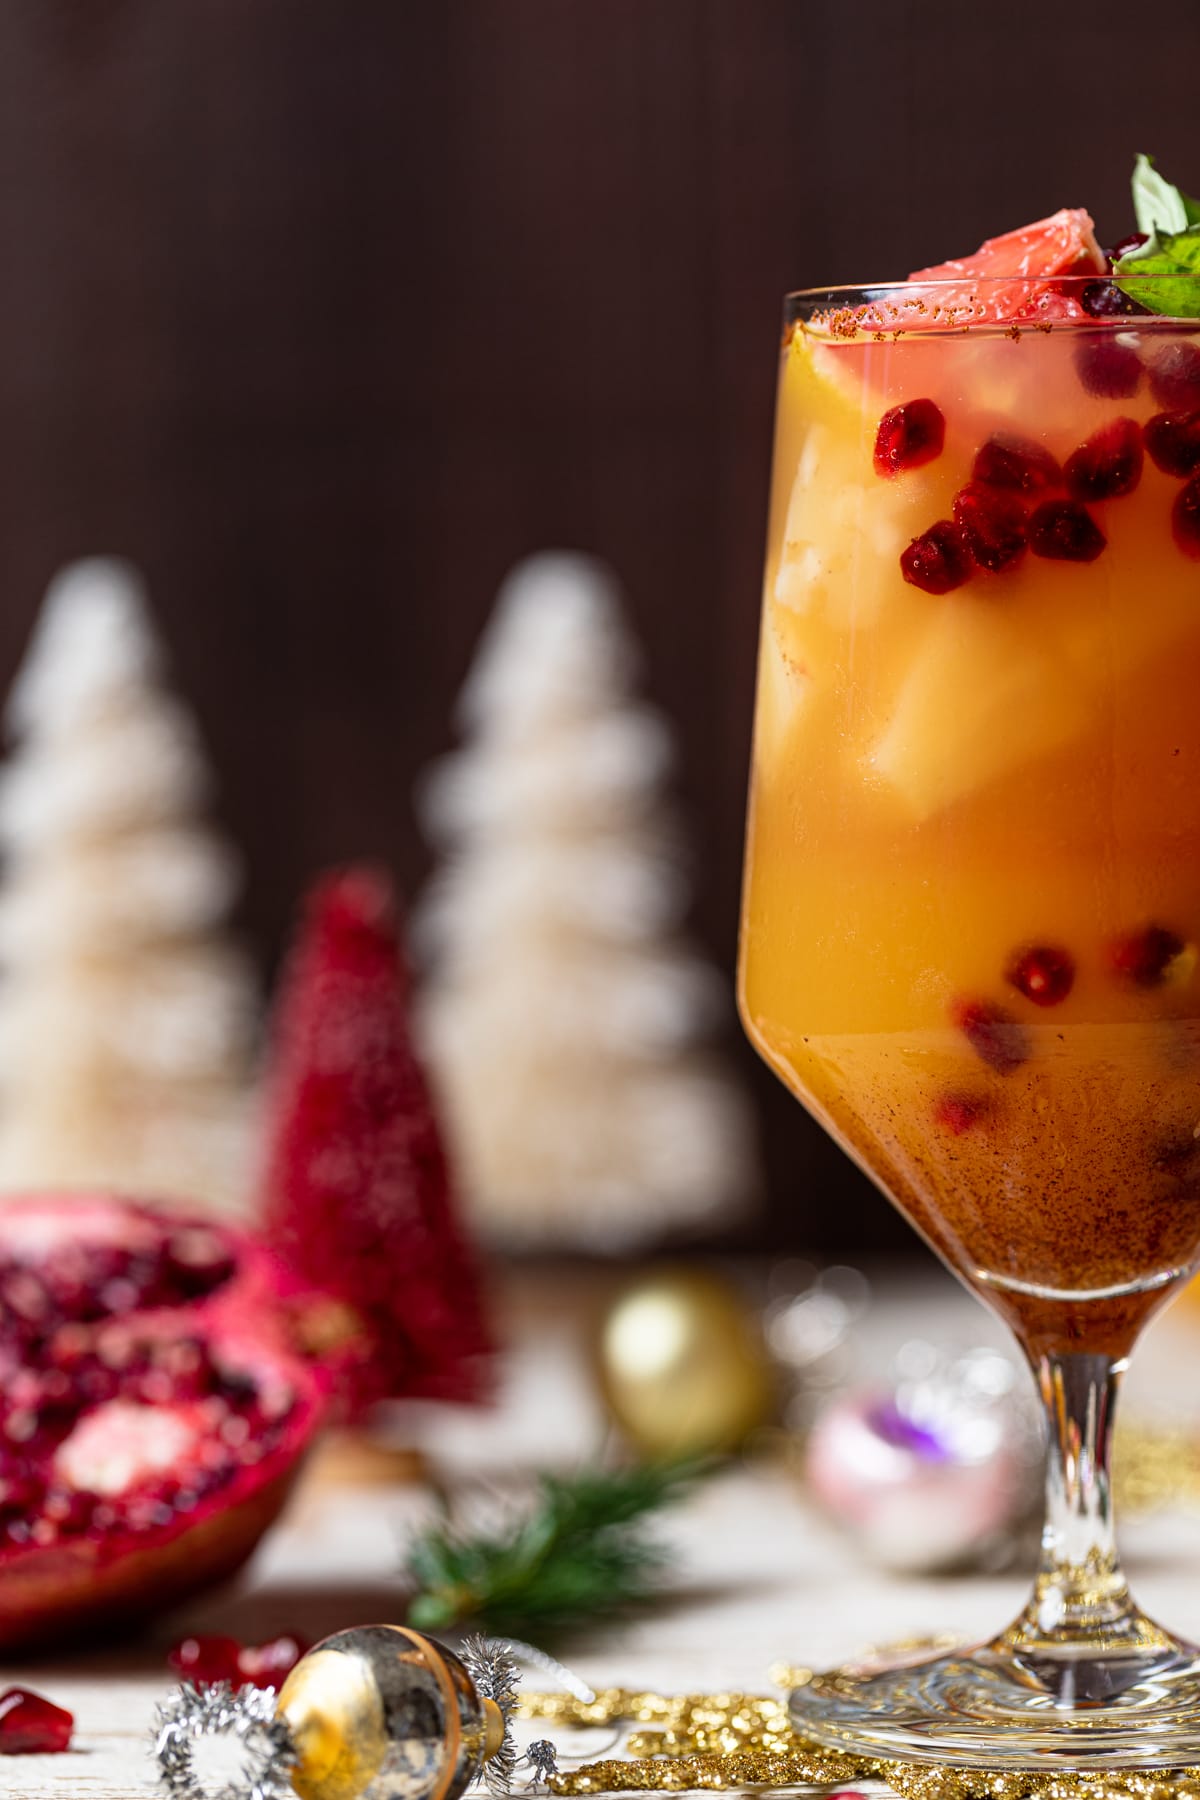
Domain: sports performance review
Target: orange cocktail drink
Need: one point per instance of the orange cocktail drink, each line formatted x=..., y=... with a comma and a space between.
x=973, y=868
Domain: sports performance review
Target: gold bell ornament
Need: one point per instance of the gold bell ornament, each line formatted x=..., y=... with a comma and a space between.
x=376, y=1713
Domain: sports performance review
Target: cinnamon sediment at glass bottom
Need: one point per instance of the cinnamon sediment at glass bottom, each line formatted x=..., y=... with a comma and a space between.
x=973, y=865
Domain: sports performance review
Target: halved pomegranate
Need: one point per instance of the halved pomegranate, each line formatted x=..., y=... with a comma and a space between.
x=154, y=1409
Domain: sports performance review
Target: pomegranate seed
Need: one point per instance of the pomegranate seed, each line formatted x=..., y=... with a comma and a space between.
x=908, y=436
x=1175, y=377
x=198, y=1262
x=1185, y=518
x=994, y=1035
x=1065, y=532
x=1143, y=957
x=957, y=1113
x=1017, y=463
x=1043, y=973
x=33, y=1726
x=1179, y=1158
x=1107, y=369
x=992, y=526
x=269, y=1665
x=207, y=1660
x=1173, y=442
x=936, y=561
x=1109, y=464
x=1104, y=300
x=20, y=1493
x=1133, y=240
x=70, y=1510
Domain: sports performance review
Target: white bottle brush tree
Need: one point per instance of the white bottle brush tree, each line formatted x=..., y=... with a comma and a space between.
x=125, y=1019
x=566, y=1017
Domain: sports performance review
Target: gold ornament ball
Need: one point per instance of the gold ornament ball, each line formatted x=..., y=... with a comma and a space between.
x=682, y=1366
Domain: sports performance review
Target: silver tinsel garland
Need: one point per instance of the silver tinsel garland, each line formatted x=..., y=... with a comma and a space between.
x=192, y=1713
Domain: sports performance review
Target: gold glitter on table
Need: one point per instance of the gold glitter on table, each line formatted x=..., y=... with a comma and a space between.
x=688, y=1742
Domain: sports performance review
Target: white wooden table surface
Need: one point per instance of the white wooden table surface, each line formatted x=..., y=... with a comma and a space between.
x=761, y=1579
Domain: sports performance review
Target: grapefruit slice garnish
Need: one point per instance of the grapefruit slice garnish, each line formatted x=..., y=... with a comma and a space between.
x=1012, y=278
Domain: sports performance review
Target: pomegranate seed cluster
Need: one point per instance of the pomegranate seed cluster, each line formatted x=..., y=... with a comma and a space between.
x=1019, y=500
x=80, y=1282
x=1044, y=975
x=112, y=1418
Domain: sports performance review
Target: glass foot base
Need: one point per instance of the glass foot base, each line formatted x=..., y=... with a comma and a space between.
x=1006, y=1707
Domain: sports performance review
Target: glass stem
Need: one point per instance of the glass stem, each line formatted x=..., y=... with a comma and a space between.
x=1080, y=1597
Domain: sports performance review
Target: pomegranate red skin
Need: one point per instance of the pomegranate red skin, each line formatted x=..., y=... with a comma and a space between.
x=110, y=1580
x=72, y=1592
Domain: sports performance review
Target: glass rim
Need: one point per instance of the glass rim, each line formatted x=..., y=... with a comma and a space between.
x=940, y=283
x=951, y=305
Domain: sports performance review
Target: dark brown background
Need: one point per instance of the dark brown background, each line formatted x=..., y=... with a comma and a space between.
x=325, y=311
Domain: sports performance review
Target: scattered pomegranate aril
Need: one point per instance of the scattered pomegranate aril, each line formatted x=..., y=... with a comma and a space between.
x=908, y=436
x=993, y=1034
x=270, y=1664
x=33, y=1726
x=206, y=1660
x=1175, y=377
x=1108, y=369
x=1018, y=464
x=1173, y=442
x=1042, y=973
x=937, y=561
x=991, y=525
x=1064, y=531
x=1144, y=957
x=1109, y=464
x=1185, y=519
x=957, y=1113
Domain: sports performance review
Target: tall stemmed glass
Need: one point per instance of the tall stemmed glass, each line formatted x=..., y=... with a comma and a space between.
x=972, y=901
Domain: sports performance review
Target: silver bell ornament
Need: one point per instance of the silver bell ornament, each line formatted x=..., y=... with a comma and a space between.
x=380, y=1712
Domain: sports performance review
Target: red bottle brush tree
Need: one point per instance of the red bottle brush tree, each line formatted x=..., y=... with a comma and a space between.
x=357, y=1194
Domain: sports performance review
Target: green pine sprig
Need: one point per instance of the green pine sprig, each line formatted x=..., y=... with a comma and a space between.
x=581, y=1553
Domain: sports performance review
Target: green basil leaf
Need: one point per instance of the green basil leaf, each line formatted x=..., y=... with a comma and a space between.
x=1157, y=205
x=1173, y=259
